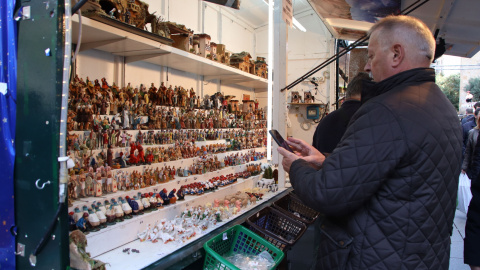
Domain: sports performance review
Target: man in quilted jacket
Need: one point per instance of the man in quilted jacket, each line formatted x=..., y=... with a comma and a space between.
x=394, y=174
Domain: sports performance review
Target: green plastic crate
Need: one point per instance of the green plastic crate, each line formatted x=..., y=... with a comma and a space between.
x=237, y=239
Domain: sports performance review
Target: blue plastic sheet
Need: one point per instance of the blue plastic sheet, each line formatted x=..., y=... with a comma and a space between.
x=8, y=95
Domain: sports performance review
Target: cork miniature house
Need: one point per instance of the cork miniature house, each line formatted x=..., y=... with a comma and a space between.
x=261, y=67
x=182, y=37
x=213, y=51
x=241, y=61
x=204, y=44
x=222, y=55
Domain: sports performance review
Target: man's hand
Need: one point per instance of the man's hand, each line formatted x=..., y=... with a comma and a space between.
x=302, y=150
x=306, y=151
x=288, y=158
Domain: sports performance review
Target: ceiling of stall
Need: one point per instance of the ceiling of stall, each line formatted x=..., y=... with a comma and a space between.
x=456, y=21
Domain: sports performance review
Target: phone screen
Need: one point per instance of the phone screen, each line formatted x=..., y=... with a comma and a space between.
x=279, y=139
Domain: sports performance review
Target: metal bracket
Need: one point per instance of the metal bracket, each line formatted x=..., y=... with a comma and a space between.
x=20, y=250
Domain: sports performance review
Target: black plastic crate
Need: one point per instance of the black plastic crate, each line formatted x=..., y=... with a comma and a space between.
x=276, y=227
x=293, y=207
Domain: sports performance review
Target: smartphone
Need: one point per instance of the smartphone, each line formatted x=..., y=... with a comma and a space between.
x=279, y=139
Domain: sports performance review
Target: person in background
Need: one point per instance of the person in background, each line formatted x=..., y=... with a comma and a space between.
x=468, y=115
x=471, y=251
x=331, y=129
x=469, y=125
x=393, y=178
x=467, y=165
x=468, y=97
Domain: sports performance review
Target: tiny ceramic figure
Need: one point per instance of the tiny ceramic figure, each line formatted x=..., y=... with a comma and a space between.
x=71, y=222
x=172, y=197
x=164, y=196
x=82, y=223
x=93, y=220
x=145, y=202
x=238, y=205
x=127, y=210
x=134, y=205
x=181, y=193
x=101, y=216
x=140, y=204
x=159, y=201
x=118, y=211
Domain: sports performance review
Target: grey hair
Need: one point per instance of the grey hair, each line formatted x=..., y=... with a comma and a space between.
x=411, y=31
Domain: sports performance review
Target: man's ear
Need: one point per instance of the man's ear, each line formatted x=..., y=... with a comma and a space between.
x=398, y=55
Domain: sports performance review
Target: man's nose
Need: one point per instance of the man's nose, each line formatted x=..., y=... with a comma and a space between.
x=367, y=67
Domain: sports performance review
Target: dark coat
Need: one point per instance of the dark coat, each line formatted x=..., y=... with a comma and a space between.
x=331, y=129
x=393, y=176
x=466, y=127
x=472, y=232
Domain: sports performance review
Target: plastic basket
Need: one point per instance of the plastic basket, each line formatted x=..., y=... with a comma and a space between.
x=237, y=239
x=276, y=227
x=293, y=207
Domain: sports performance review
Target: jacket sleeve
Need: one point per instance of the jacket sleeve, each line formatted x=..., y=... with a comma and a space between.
x=370, y=149
x=468, y=151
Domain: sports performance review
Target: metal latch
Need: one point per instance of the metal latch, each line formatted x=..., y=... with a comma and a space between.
x=20, y=250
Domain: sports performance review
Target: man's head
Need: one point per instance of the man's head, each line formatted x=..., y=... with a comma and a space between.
x=397, y=44
x=469, y=110
x=355, y=86
x=477, y=112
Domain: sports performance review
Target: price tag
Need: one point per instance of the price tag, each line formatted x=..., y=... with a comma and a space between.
x=224, y=237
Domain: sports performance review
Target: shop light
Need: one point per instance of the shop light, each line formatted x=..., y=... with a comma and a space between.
x=270, y=79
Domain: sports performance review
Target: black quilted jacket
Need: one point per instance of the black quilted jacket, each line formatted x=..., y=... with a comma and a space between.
x=391, y=183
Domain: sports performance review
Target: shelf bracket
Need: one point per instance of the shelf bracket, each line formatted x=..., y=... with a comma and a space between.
x=136, y=58
x=92, y=45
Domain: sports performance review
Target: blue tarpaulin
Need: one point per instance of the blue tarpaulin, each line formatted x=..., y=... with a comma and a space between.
x=8, y=95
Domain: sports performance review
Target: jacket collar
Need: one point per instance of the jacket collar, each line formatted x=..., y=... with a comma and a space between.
x=409, y=77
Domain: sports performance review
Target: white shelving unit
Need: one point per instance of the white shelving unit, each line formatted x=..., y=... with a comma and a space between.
x=108, y=243
x=100, y=36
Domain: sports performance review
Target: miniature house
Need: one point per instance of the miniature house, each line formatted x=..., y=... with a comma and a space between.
x=222, y=55
x=241, y=61
x=213, y=51
x=234, y=104
x=248, y=106
x=196, y=45
x=261, y=67
x=251, y=67
x=204, y=44
x=182, y=37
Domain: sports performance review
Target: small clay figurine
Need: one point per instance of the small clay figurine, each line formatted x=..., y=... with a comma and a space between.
x=82, y=223
x=181, y=193
x=164, y=196
x=172, y=197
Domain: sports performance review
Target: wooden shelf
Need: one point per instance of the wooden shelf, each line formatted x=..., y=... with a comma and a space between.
x=100, y=36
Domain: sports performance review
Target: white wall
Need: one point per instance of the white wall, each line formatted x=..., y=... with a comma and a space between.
x=220, y=23
x=306, y=50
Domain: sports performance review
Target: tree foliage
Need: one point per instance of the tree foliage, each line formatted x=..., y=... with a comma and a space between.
x=450, y=86
x=474, y=87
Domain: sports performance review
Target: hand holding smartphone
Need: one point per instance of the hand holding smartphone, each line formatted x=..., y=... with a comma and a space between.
x=279, y=139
